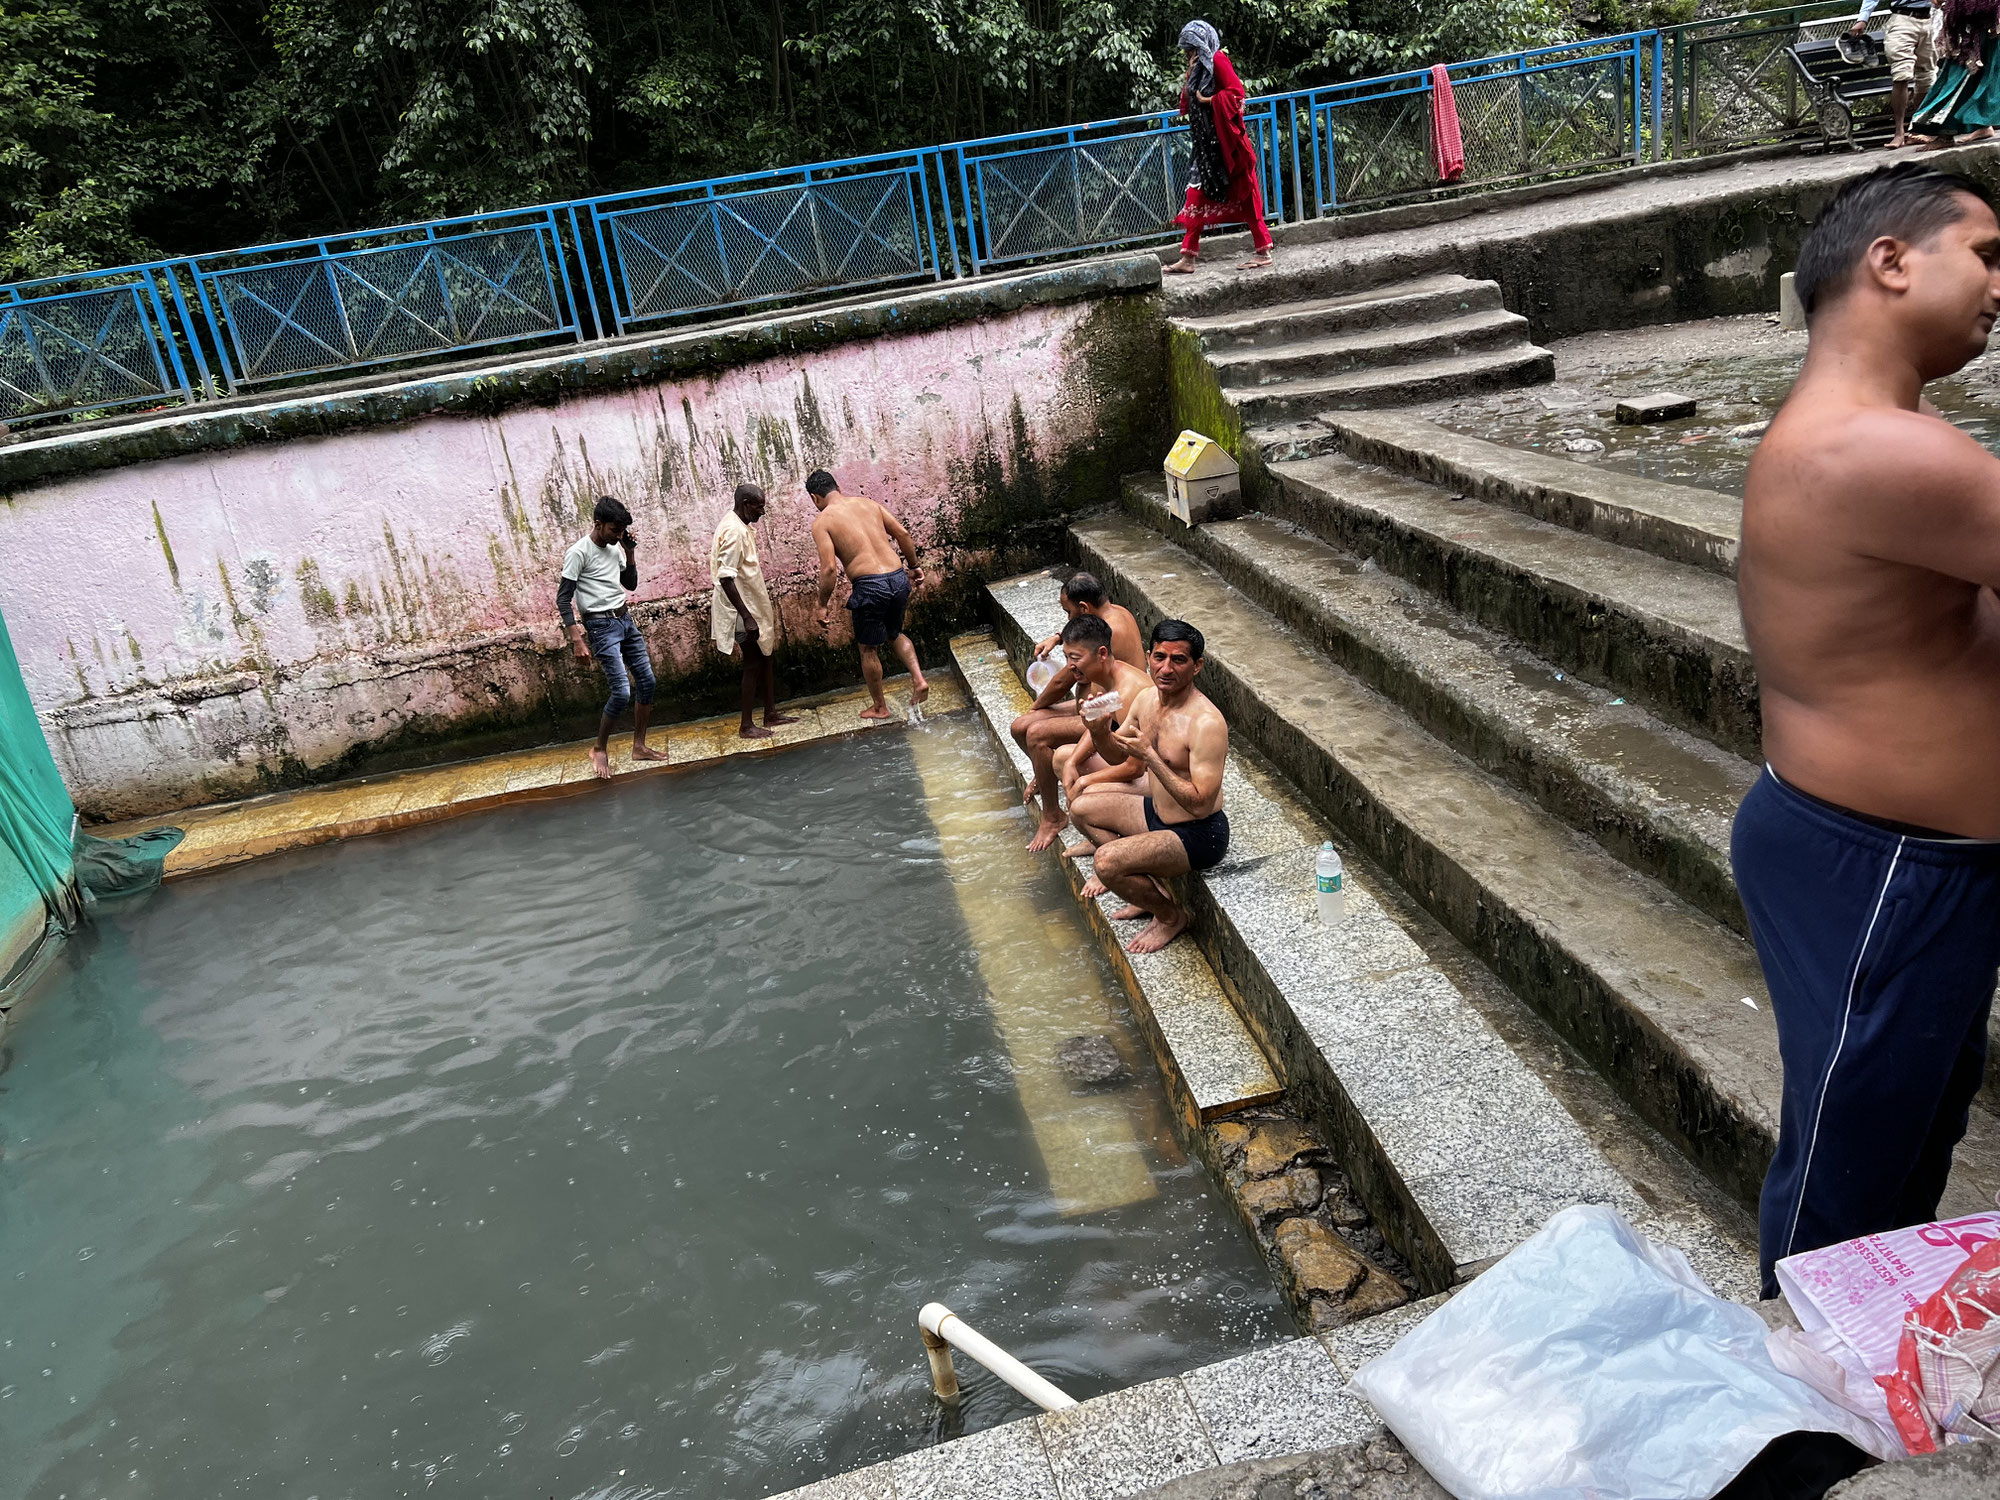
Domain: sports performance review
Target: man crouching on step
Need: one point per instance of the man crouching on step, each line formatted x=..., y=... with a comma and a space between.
x=862, y=537
x=1182, y=741
x=594, y=578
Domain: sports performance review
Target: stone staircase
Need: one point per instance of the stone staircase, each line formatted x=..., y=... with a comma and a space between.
x=1520, y=686
x=1280, y=363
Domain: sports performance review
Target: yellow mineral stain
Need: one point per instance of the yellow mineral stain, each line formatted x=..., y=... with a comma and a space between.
x=1041, y=981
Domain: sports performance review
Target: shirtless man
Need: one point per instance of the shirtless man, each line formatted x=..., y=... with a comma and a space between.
x=873, y=547
x=1051, y=722
x=1868, y=855
x=1088, y=658
x=1182, y=741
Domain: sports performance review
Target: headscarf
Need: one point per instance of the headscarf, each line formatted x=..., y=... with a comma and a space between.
x=1967, y=25
x=1203, y=39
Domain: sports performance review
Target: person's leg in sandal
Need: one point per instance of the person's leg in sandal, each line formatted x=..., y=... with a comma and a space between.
x=1190, y=254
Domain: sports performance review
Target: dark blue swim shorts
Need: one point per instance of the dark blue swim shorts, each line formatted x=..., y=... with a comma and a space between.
x=878, y=602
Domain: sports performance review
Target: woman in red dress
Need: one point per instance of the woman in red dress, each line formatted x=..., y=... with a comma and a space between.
x=1224, y=188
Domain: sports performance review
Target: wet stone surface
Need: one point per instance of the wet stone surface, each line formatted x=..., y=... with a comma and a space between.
x=1738, y=370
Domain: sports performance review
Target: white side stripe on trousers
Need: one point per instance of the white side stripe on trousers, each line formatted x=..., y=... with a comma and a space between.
x=1826, y=1082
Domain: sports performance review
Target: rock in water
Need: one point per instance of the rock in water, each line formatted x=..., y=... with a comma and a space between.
x=1664, y=406
x=1090, y=1059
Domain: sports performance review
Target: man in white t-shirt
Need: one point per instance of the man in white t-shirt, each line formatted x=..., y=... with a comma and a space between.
x=741, y=616
x=597, y=578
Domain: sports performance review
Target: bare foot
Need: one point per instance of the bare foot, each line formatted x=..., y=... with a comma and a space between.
x=1983, y=133
x=1255, y=263
x=1045, y=835
x=922, y=689
x=1182, y=267
x=752, y=732
x=600, y=764
x=772, y=721
x=877, y=713
x=1129, y=914
x=1093, y=888
x=1083, y=850
x=1161, y=933
x=647, y=752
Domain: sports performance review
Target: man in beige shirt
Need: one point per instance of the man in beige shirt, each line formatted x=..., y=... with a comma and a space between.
x=742, y=616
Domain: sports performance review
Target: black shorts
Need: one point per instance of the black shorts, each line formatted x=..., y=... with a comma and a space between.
x=1206, y=840
x=878, y=602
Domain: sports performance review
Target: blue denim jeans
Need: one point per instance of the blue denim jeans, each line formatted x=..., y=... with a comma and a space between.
x=621, y=651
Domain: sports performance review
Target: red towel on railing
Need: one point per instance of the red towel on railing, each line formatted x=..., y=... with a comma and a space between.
x=1447, y=145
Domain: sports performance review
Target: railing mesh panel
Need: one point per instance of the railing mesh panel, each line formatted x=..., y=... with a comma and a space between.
x=1087, y=193
x=94, y=350
x=367, y=306
x=775, y=242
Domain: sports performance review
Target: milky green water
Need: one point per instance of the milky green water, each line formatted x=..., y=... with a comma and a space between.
x=589, y=1148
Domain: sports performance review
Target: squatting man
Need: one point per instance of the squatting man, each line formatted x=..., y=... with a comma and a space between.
x=1051, y=722
x=1177, y=825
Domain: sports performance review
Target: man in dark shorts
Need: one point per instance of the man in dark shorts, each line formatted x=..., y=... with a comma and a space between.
x=1868, y=855
x=1181, y=739
x=873, y=547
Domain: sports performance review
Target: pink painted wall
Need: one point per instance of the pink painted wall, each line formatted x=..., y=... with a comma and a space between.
x=199, y=627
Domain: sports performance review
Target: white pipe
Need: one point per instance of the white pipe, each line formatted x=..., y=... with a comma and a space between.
x=941, y=1322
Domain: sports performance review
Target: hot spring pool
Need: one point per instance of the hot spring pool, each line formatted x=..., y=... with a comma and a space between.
x=599, y=1147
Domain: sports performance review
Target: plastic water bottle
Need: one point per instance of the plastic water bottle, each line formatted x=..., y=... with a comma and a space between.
x=1332, y=889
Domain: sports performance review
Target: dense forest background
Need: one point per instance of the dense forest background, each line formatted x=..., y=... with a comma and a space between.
x=133, y=128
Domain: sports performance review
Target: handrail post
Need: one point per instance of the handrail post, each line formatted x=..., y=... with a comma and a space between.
x=944, y=1378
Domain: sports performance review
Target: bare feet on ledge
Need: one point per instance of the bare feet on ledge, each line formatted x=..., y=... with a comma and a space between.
x=773, y=721
x=1046, y=833
x=1093, y=888
x=1082, y=850
x=647, y=752
x=922, y=691
x=1185, y=266
x=881, y=712
x=752, y=732
x=1129, y=914
x=600, y=764
x=1162, y=932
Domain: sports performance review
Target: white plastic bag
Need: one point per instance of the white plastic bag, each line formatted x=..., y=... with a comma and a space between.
x=1590, y=1364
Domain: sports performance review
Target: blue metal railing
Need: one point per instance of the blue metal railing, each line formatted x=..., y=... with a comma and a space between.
x=247, y=320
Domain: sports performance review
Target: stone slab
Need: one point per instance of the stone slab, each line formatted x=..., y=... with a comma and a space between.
x=1277, y=1401
x=1660, y=406
x=1209, y=1052
x=231, y=832
x=1128, y=1441
x=876, y=1482
x=1001, y=1463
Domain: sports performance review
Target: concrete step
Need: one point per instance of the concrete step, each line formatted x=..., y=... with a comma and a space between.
x=1406, y=302
x=1663, y=634
x=1648, y=988
x=1402, y=344
x=1657, y=797
x=1674, y=521
x=1404, y=385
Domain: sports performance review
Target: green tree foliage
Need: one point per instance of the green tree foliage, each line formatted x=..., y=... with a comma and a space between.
x=138, y=127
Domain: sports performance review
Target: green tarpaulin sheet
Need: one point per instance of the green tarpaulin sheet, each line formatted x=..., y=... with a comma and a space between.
x=36, y=820
x=39, y=825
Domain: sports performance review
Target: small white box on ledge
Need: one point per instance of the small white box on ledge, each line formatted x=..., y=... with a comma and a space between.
x=1203, y=482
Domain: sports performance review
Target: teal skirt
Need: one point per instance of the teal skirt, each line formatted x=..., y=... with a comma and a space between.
x=1963, y=99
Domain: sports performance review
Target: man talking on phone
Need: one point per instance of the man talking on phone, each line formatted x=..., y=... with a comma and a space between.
x=596, y=580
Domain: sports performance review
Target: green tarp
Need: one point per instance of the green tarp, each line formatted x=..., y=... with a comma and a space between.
x=36, y=820
x=38, y=824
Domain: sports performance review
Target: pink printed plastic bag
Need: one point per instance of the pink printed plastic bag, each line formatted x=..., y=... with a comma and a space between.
x=1946, y=1388
x=1863, y=1289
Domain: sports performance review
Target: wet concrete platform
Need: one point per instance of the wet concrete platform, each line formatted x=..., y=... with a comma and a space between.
x=228, y=833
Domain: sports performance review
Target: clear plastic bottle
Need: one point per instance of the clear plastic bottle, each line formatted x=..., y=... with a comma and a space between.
x=1332, y=886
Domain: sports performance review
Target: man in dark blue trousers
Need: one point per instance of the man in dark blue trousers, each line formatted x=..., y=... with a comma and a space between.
x=1868, y=854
